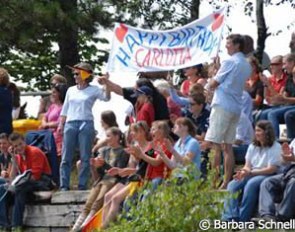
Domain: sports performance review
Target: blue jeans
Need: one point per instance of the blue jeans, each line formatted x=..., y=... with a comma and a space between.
x=21, y=196
x=275, y=190
x=242, y=211
x=79, y=133
x=3, y=205
x=277, y=116
x=264, y=113
x=290, y=123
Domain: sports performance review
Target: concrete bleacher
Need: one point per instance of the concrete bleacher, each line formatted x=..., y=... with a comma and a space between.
x=54, y=211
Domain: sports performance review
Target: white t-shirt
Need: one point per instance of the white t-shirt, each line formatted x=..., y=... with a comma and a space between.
x=78, y=103
x=263, y=157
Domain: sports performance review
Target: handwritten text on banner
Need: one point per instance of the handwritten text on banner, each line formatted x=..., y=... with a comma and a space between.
x=135, y=49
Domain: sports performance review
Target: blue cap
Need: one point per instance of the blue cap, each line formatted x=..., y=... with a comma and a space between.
x=143, y=90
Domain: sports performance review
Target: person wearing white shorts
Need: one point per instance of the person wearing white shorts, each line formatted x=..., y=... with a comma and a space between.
x=228, y=85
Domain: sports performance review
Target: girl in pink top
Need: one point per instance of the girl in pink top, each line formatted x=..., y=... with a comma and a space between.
x=51, y=117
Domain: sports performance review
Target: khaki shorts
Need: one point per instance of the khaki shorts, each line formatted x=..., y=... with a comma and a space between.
x=222, y=126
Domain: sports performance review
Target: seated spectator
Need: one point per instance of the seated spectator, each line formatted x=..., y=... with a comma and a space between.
x=26, y=158
x=5, y=157
x=157, y=171
x=198, y=114
x=286, y=100
x=112, y=155
x=185, y=151
x=45, y=101
x=5, y=103
x=280, y=190
x=274, y=84
x=107, y=120
x=135, y=173
x=254, y=85
x=51, y=118
x=174, y=109
x=193, y=75
x=262, y=159
x=184, y=102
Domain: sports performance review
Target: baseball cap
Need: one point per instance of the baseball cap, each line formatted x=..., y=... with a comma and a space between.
x=85, y=69
x=145, y=90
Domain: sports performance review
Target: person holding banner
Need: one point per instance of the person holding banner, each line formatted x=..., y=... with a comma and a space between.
x=228, y=85
x=76, y=124
x=159, y=101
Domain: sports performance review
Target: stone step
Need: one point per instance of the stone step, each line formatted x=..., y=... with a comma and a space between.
x=54, y=211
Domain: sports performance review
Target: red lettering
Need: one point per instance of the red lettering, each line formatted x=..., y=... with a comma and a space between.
x=146, y=61
x=187, y=56
x=156, y=54
x=162, y=57
x=137, y=58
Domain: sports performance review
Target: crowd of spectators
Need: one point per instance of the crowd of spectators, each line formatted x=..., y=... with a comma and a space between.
x=224, y=115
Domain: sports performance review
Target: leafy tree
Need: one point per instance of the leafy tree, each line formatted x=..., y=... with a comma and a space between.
x=40, y=37
x=162, y=14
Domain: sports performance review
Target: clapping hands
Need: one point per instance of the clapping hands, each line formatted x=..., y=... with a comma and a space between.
x=287, y=154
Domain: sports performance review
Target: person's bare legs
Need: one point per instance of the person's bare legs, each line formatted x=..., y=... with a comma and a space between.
x=228, y=165
x=107, y=199
x=114, y=207
x=216, y=163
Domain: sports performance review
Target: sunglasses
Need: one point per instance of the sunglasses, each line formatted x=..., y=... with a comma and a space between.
x=274, y=64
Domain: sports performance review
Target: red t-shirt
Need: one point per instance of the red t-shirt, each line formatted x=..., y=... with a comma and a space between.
x=145, y=112
x=278, y=83
x=35, y=160
x=158, y=171
x=185, y=87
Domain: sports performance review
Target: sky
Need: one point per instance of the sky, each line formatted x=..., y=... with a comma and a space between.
x=277, y=18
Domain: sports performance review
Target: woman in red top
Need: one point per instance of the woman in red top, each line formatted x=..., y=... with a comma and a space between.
x=144, y=107
x=157, y=169
x=193, y=75
x=254, y=84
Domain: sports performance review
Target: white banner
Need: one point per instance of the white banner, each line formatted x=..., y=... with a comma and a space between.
x=135, y=49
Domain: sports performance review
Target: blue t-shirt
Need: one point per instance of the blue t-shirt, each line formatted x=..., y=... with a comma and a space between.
x=191, y=145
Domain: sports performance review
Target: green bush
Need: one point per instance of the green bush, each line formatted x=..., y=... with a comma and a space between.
x=173, y=207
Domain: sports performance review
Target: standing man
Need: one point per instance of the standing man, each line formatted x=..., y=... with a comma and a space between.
x=25, y=158
x=226, y=105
